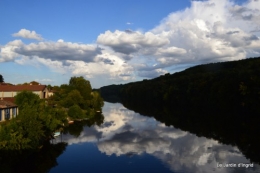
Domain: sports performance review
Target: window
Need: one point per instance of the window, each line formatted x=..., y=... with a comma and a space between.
x=0, y=114
x=7, y=114
x=14, y=112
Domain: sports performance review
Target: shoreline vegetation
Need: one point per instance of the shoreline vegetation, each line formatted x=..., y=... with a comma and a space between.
x=220, y=101
x=38, y=119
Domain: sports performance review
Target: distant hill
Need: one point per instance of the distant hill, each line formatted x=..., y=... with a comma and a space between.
x=225, y=84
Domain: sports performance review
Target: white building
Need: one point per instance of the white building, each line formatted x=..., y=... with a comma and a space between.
x=9, y=91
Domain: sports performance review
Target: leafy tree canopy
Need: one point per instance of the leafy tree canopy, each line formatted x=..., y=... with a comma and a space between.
x=27, y=98
x=77, y=94
x=75, y=112
x=1, y=78
x=82, y=85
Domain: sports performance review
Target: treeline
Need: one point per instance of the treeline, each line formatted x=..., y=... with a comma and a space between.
x=218, y=100
x=217, y=85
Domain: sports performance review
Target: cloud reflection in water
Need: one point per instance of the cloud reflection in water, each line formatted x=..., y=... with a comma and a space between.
x=125, y=132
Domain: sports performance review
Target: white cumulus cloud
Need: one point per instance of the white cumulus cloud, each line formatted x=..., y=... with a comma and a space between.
x=128, y=42
x=24, y=33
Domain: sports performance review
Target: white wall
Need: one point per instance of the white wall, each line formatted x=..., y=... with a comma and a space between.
x=8, y=94
x=14, y=93
x=38, y=93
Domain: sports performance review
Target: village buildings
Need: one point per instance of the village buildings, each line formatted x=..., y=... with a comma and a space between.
x=8, y=109
x=9, y=91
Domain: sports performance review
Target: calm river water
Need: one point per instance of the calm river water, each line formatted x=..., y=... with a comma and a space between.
x=129, y=142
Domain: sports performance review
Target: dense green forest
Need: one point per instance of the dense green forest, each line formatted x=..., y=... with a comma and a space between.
x=39, y=118
x=228, y=84
x=217, y=100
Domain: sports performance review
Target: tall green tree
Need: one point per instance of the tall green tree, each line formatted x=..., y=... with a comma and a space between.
x=27, y=130
x=73, y=97
x=82, y=85
x=76, y=112
x=1, y=78
x=97, y=101
x=27, y=99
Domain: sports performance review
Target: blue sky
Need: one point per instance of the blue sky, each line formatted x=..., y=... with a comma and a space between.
x=82, y=20
x=112, y=42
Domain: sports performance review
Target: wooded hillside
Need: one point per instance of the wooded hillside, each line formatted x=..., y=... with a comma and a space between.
x=217, y=85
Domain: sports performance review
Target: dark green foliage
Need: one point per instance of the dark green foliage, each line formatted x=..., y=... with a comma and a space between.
x=111, y=93
x=78, y=94
x=96, y=101
x=75, y=112
x=34, y=124
x=1, y=78
x=73, y=97
x=218, y=85
x=82, y=85
x=27, y=99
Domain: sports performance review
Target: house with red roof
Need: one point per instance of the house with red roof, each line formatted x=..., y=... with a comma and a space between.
x=8, y=110
x=9, y=91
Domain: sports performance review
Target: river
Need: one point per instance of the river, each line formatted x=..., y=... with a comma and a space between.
x=130, y=142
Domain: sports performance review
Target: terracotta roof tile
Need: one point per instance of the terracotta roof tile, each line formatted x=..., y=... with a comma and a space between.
x=6, y=104
x=9, y=99
x=22, y=87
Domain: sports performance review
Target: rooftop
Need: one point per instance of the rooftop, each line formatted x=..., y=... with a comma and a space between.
x=22, y=87
x=6, y=104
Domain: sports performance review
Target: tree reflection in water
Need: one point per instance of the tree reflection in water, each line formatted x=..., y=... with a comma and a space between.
x=43, y=159
x=76, y=128
x=229, y=126
x=39, y=161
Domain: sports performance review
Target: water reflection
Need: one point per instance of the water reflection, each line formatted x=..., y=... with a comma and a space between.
x=39, y=161
x=126, y=133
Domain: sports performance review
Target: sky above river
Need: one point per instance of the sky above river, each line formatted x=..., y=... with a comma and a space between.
x=113, y=42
